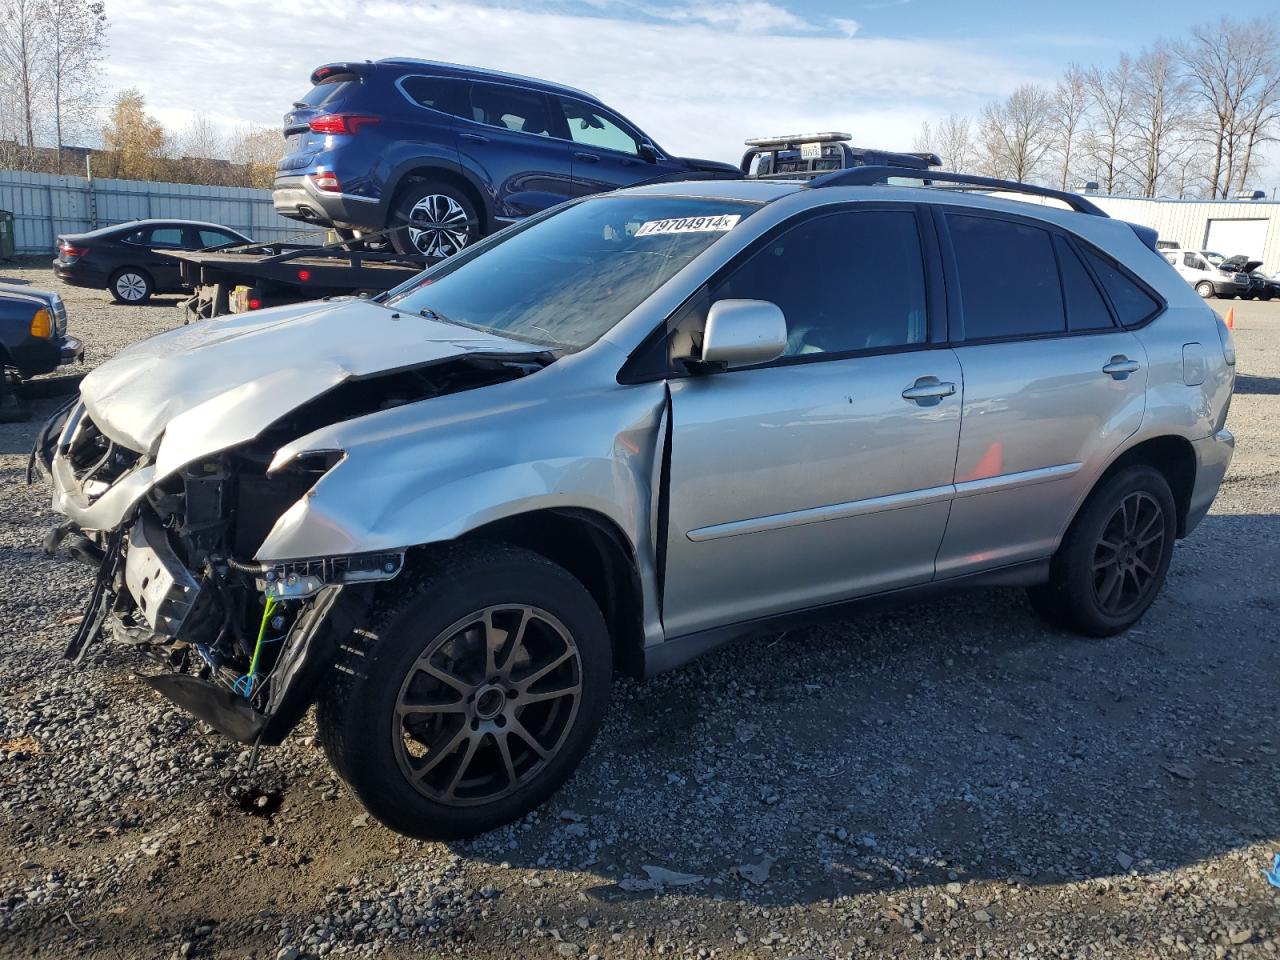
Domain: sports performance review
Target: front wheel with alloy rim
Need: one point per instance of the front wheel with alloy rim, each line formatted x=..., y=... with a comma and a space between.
x=473, y=695
x=433, y=220
x=1205, y=289
x=1114, y=558
x=131, y=285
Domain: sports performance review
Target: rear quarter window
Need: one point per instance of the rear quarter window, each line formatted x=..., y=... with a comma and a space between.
x=1134, y=304
x=434, y=93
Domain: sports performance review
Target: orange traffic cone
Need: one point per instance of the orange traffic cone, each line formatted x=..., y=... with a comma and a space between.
x=1231, y=318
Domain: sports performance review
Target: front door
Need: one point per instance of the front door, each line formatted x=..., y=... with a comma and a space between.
x=825, y=474
x=511, y=140
x=1053, y=386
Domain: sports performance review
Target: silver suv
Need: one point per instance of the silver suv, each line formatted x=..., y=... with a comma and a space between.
x=621, y=433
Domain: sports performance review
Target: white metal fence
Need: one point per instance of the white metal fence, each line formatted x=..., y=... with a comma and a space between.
x=45, y=205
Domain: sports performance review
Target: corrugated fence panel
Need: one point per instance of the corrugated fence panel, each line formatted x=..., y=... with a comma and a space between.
x=45, y=205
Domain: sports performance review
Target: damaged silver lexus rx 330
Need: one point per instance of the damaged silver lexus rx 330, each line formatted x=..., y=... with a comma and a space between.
x=616, y=435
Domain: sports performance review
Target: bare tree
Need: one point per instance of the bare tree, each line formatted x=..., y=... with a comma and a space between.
x=1015, y=133
x=1261, y=120
x=256, y=150
x=22, y=61
x=1157, y=115
x=951, y=140
x=1229, y=65
x=203, y=148
x=1111, y=98
x=135, y=141
x=74, y=36
x=1070, y=109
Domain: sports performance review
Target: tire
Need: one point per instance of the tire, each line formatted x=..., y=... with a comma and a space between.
x=1083, y=596
x=433, y=202
x=453, y=742
x=131, y=285
x=1205, y=289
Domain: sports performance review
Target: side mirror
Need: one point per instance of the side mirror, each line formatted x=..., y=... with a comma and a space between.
x=648, y=153
x=743, y=332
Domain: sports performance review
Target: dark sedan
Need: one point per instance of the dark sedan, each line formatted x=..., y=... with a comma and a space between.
x=33, y=340
x=128, y=259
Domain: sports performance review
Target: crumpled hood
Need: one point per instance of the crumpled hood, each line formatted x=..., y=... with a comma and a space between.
x=218, y=383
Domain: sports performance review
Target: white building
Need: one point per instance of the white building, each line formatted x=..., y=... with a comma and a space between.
x=1228, y=227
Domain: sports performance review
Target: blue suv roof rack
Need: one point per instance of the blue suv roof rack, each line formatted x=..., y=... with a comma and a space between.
x=869, y=175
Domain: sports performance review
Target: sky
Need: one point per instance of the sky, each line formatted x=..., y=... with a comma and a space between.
x=699, y=76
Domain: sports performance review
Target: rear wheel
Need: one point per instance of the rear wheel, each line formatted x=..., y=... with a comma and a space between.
x=1114, y=558
x=436, y=219
x=1205, y=289
x=475, y=697
x=131, y=285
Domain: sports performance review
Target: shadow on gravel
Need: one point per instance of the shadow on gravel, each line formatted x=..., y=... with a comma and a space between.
x=1268, y=386
x=952, y=740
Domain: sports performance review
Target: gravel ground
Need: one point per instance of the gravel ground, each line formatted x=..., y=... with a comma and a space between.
x=948, y=779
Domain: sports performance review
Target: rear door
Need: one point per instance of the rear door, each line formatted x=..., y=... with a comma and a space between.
x=606, y=149
x=825, y=474
x=513, y=136
x=1053, y=385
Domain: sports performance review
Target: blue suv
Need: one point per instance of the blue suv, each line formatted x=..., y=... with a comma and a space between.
x=451, y=153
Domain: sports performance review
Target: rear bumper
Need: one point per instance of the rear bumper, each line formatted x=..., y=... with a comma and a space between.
x=80, y=274
x=1213, y=457
x=297, y=199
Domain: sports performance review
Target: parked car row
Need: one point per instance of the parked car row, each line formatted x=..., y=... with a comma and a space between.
x=1214, y=275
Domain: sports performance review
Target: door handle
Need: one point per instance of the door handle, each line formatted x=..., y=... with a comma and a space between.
x=473, y=137
x=1121, y=366
x=928, y=391
x=586, y=157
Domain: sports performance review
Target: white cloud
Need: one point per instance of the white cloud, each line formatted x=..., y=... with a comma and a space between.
x=751, y=17
x=698, y=87
x=846, y=26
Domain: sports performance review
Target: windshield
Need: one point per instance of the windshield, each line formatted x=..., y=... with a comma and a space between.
x=1214, y=258
x=567, y=280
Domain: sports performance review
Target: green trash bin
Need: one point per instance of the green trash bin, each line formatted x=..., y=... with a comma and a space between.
x=8, y=242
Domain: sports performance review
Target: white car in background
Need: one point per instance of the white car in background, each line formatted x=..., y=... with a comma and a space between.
x=1202, y=269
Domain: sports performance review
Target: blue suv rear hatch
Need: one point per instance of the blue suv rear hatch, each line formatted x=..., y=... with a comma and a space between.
x=335, y=87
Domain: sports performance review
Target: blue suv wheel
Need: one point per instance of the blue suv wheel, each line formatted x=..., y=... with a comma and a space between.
x=434, y=220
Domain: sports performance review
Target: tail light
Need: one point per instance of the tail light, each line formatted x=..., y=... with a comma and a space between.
x=325, y=180
x=67, y=250
x=342, y=122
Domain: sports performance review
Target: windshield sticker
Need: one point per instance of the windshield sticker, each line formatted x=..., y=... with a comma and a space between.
x=717, y=224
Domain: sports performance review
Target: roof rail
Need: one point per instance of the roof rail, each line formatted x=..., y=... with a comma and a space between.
x=866, y=176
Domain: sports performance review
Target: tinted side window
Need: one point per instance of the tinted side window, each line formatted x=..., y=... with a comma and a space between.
x=1190, y=259
x=845, y=281
x=596, y=128
x=437, y=93
x=215, y=238
x=510, y=107
x=166, y=237
x=1086, y=310
x=1133, y=304
x=1008, y=278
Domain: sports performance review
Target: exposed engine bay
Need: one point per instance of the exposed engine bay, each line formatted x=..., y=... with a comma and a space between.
x=242, y=641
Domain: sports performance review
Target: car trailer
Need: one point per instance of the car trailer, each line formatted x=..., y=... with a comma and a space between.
x=804, y=155
x=251, y=277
